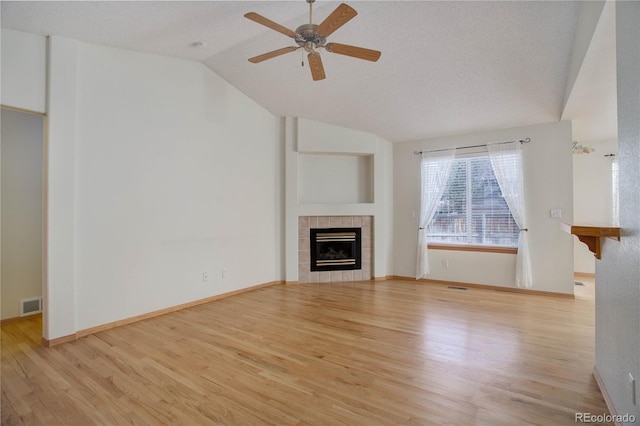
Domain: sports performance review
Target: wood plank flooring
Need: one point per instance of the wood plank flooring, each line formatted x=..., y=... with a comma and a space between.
x=389, y=353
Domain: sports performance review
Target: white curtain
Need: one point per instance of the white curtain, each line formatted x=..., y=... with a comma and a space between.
x=434, y=169
x=506, y=161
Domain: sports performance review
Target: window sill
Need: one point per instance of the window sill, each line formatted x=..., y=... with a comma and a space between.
x=484, y=249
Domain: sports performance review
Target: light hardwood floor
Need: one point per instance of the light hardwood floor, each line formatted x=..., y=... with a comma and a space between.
x=393, y=352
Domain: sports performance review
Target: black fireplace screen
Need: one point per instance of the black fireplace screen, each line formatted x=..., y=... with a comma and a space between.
x=335, y=249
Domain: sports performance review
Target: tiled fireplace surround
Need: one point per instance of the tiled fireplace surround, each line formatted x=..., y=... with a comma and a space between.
x=305, y=223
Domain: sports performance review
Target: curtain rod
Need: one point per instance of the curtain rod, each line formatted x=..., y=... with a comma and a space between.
x=526, y=140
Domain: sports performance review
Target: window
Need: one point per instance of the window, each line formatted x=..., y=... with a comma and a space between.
x=472, y=210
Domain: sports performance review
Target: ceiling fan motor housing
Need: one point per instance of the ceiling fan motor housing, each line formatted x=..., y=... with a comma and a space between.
x=306, y=34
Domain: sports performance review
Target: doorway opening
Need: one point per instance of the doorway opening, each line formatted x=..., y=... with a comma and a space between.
x=22, y=216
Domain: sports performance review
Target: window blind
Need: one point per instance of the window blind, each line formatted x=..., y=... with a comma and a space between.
x=472, y=210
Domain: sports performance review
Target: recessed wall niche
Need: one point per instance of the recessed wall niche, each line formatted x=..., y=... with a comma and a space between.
x=335, y=179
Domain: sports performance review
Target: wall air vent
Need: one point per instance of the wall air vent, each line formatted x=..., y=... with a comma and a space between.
x=30, y=306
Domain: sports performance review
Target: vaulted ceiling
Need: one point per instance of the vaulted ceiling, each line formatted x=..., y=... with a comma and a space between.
x=592, y=106
x=446, y=67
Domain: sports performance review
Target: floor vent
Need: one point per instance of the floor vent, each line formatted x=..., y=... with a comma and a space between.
x=30, y=306
x=457, y=288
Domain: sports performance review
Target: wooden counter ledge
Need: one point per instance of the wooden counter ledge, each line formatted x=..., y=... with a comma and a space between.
x=591, y=235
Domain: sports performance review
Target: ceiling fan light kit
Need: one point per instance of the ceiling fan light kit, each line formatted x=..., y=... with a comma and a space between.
x=311, y=37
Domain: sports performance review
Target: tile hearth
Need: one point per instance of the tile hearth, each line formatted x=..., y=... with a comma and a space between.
x=305, y=223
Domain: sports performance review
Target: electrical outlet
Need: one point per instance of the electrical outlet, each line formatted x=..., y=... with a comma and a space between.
x=205, y=277
x=225, y=273
x=445, y=263
x=632, y=385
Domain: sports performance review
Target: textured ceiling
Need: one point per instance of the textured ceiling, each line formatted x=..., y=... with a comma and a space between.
x=446, y=67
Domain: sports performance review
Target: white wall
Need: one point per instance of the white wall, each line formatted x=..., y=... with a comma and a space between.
x=168, y=180
x=59, y=317
x=618, y=273
x=548, y=185
x=349, y=153
x=23, y=70
x=385, y=181
x=22, y=159
x=591, y=197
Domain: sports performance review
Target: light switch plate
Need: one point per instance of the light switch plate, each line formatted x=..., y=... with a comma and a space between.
x=557, y=213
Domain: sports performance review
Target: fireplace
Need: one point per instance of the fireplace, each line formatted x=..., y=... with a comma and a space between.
x=335, y=249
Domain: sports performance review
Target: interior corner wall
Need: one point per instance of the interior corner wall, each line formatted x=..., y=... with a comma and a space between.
x=592, y=197
x=548, y=185
x=618, y=272
x=22, y=159
x=173, y=173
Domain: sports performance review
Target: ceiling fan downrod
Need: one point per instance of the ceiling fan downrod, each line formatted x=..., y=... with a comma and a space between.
x=310, y=11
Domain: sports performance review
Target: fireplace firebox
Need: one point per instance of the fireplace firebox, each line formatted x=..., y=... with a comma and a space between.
x=335, y=249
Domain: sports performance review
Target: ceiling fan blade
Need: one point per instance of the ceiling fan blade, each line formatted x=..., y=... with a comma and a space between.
x=315, y=63
x=354, y=51
x=272, y=54
x=338, y=18
x=270, y=24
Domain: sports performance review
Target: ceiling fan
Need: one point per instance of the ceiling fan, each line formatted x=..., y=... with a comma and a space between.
x=311, y=37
